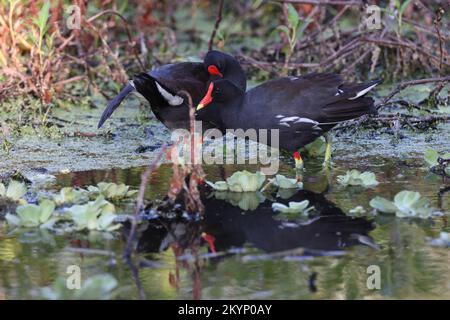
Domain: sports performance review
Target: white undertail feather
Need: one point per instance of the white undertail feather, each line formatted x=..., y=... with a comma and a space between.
x=132, y=84
x=363, y=92
x=173, y=100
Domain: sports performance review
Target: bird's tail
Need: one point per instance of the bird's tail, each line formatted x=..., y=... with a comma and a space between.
x=349, y=109
x=352, y=103
x=115, y=102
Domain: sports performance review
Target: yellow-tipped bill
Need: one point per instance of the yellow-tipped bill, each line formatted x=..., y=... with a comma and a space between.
x=207, y=99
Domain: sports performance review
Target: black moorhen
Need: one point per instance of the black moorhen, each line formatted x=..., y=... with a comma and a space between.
x=302, y=108
x=162, y=87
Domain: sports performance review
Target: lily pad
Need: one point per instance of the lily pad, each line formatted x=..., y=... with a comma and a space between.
x=32, y=215
x=293, y=210
x=431, y=157
x=244, y=181
x=240, y=181
x=358, y=210
x=286, y=183
x=112, y=191
x=218, y=186
x=71, y=195
x=356, y=178
x=15, y=190
x=95, y=215
x=406, y=204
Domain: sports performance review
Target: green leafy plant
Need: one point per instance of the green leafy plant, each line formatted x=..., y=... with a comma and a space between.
x=294, y=210
x=315, y=149
x=98, y=287
x=294, y=30
x=356, y=178
x=286, y=183
x=357, y=211
x=31, y=215
x=438, y=163
x=95, y=215
x=71, y=195
x=112, y=191
x=405, y=204
x=240, y=181
x=431, y=156
x=14, y=191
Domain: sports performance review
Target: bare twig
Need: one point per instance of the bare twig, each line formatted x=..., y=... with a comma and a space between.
x=324, y=2
x=403, y=85
x=216, y=25
x=127, y=29
x=437, y=25
x=140, y=200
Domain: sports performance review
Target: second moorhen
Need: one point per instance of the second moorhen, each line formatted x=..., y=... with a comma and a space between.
x=164, y=86
x=301, y=108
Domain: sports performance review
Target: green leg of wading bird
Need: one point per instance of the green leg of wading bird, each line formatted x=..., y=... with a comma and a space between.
x=327, y=159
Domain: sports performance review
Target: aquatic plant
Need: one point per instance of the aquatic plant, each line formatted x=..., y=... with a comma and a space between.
x=293, y=210
x=240, y=181
x=286, y=183
x=71, y=195
x=438, y=163
x=95, y=215
x=406, y=204
x=357, y=211
x=31, y=215
x=431, y=157
x=14, y=191
x=98, y=287
x=356, y=178
x=112, y=191
x=293, y=31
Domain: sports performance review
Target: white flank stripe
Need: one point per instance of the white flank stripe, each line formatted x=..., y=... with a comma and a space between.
x=363, y=92
x=287, y=119
x=306, y=120
x=170, y=98
x=279, y=116
x=132, y=84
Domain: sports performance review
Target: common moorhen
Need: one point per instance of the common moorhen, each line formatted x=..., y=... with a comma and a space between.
x=302, y=108
x=164, y=86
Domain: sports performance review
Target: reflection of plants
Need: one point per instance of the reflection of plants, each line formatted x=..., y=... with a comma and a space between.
x=244, y=200
x=405, y=204
x=356, y=178
x=98, y=287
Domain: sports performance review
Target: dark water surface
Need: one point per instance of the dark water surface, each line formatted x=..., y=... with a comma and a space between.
x=257, y=256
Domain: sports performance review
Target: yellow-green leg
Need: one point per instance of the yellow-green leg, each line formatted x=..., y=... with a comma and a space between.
x=327, y=159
